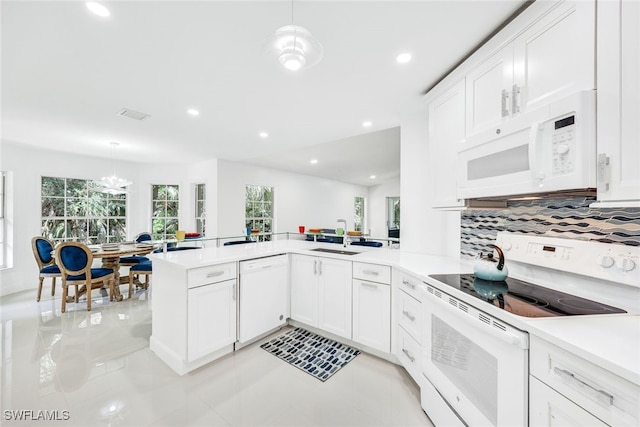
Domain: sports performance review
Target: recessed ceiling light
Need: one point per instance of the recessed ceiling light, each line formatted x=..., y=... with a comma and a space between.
x=98, y=9
x=403, y=58
x=372, y=177
x=264, y=135
x=193, y=112
x=313, y=161
x=366, y=124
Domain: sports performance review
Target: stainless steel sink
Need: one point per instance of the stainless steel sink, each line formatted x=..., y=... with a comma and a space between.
x=335, y=251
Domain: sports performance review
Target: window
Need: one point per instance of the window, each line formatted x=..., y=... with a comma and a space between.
x=200, y=208
x=73, y=209
x=358, y=214
x=164, y=223
x=3, y=257
x=259, y=209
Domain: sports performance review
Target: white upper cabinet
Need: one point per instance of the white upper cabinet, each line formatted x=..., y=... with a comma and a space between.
x=446, y=132
x=488, y=90
x=550, y=59
x=619, y=102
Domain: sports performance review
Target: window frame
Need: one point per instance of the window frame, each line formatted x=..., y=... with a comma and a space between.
x=200, y=216
x=88, y=222
x=170, y=223
x=359, y=218
x=257, y=203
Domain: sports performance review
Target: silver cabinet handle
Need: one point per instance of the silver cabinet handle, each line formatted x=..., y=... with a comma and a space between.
x=409, y=356
x=371, y=272
x=234, y=292
x=315, y=267
x=505, y=103
x=215, y=274
x=409, y=284
x=409, y=315
x=369, y=285
x=515, y=99
x=320, y=267
x=599, y=395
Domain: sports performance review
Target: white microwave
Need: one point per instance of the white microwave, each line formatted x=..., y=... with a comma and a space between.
x=552, y=148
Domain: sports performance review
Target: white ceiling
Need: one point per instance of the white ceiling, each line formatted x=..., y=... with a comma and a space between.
x=66, y=73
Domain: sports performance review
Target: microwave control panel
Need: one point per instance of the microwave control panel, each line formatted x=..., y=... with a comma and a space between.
x=564, y=145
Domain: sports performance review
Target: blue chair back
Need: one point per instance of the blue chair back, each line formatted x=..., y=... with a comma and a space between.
x=143, y=237
x=74, y=257
x=372, y=244
x=237, y=242
x=43, y=249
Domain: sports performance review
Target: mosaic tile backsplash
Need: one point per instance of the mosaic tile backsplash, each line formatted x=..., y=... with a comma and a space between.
x=565, y=218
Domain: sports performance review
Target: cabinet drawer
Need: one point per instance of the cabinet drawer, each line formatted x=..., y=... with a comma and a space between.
x=409, y=351
x=410, y=285
x=372, y=272
x=609, y=397
x=212, y=274
x=410, y=314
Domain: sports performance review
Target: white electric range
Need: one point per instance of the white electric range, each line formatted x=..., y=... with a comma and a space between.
x=476, y=344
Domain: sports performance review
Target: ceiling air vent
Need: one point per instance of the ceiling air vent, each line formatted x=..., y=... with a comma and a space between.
x=136, y=115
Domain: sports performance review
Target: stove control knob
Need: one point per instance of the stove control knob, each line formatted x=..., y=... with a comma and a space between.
x=625, y=264
x=606, y=261
x=506, y=246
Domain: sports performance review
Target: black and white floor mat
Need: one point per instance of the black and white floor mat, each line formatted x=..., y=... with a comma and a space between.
x=314, y=354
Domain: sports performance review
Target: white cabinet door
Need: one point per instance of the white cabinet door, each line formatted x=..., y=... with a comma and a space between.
x=446, y=132
x=550, y=59
x=334, y=302
x=547, y=407
x=304, y=289
x=555, y=57
x=619, y=101
x=372, y=314
x=211, y=318
x=488, y=90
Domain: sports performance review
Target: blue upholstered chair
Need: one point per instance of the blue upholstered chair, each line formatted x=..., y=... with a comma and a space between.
x=237, y=242
x=128, y=261
x=42, y=251
x=136, y=270
x=372, y=244
x=75, y=261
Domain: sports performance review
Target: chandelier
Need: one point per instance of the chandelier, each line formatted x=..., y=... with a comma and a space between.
x=294, y=46
x=113, y=184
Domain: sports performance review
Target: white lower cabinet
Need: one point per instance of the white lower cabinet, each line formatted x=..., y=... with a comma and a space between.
x=547, y=407
x=372, y=314
x=194, y=313
x=211, y=320
x=321, y=293
x=568, y=390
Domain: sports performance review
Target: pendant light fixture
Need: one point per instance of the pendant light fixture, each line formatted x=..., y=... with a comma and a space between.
x=113, y=184
x=294, y=46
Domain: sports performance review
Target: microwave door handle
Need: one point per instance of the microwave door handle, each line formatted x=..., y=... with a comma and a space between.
x=535, y=144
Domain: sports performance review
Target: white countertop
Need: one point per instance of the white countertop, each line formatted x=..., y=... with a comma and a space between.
x=610, y=341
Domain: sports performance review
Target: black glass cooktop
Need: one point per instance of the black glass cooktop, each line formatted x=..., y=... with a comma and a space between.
x=525, y=299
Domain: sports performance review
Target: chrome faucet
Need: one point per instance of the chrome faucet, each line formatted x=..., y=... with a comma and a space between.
x=344, y=238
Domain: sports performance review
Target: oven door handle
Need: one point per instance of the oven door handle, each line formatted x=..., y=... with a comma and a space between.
x=466, y=320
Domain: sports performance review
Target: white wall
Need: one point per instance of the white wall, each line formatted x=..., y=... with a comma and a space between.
x=422, y=229
x=299, y=199
x=377, y=209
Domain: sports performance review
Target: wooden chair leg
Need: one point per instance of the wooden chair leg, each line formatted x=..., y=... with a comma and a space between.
x=65, y=291
x=39, y=289
x=76, y=296
x=53, y=286
x=112, y=294
x=89, y=296
x=130, y=284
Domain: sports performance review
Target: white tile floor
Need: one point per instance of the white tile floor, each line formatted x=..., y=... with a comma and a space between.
x=97, y=366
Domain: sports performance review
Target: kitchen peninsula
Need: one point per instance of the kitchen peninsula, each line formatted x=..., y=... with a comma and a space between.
x=196, y=301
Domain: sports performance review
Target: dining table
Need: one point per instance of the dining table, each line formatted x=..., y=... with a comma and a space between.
x=111, y=259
